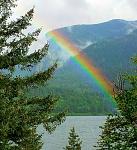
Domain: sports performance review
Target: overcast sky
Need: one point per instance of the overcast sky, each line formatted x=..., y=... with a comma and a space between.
x=52, y=14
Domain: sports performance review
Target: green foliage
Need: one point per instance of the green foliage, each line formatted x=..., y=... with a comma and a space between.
x=78, y=100
x=120, y=130
x=20, y=115
x=74, y=142
x=78, y=91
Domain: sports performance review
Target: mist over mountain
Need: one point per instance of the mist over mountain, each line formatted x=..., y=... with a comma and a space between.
x=84, y=35
x=110, y=46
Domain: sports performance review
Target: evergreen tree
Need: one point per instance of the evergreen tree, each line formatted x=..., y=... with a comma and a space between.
x=74, y=142
x=120, y=130
x=20, y=115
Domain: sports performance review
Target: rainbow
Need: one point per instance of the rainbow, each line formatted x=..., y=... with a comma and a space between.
x=105, y=85
x=80, y=58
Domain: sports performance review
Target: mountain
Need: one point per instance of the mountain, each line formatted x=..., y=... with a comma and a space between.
x=84, y=35
x=110, y=52
x=113, y=56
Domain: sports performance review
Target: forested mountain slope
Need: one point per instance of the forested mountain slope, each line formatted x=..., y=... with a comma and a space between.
x=77, y=89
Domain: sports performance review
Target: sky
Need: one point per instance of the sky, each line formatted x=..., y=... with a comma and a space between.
x=51, y=14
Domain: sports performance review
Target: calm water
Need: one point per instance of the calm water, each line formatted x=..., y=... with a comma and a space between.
x=86, y=126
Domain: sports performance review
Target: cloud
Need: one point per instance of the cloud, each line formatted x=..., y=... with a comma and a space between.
x=124, y=10
x=51, y=14
x=76, y=3
x=133, y=4
x=58, y=13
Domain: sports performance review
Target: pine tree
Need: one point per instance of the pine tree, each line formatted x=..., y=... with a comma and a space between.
x=74, y=142
x=20, y=115
x=120, y=130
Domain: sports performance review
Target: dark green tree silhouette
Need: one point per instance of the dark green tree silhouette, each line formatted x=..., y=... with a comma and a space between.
x=74, y=142
x=20, y=115
x=120, y=130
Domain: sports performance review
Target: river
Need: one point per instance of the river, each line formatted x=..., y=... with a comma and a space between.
x=87, y=127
